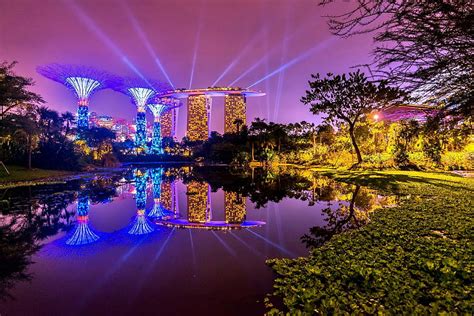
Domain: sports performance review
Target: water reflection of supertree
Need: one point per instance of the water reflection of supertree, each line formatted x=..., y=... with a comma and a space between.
x=82, y=233
x=234, y=207
x=158, y=211
x=141, y=225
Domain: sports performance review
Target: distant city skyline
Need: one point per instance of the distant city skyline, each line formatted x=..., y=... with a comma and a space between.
x=273, y=46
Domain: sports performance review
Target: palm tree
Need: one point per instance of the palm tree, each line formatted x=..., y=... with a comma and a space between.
x=69, y=119
x=238, y=122
x=26, y=128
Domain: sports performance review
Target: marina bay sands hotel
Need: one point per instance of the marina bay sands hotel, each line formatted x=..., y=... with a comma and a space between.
x=199, y=104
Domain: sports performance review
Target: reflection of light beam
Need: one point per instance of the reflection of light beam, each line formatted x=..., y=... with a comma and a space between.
x=139, y=283
x=196, y=46
x=160, y=251
x=145, y=41
x=192, y=248
x=254, y=251
x=226, y=246
x=91, y=291
x=295, y=60
x=239, y=56
x=92, y=26
x=277, y=214
x=289, y=253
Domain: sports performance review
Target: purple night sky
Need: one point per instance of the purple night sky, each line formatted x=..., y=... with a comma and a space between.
x=125, y=37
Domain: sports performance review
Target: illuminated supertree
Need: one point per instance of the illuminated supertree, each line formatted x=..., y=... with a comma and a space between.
x=140, y=91
x=160, y=106
x=82, y=233
x=159, y=211
x=84, y=81
x=141, y=225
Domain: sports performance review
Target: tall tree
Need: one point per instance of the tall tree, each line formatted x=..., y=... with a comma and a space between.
x=14, y=89
x=349, y=99
x=69, y=119
x=425, y=46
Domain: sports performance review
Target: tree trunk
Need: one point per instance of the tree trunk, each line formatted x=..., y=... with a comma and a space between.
x=314, y=144
x=28, y=143
x=356, y=147
x=253, y=151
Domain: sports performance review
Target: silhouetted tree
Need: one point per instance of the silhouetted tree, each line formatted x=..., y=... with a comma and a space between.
x=14, y=89
x=426, y=46
x=349, y=99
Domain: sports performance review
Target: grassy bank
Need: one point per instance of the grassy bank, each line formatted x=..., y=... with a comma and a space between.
x=416, y=258
x=21, y=174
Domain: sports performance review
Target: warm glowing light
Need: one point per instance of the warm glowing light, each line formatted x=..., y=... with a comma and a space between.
x=376, y=117
x=234, y=113
x=199, y=109
x=199, y=207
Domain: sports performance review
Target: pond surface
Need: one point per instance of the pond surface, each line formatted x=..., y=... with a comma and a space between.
x=167, y=241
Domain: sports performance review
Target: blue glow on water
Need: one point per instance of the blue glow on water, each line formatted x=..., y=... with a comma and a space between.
x=82, y=233
x=277, y=246
x=224, y=244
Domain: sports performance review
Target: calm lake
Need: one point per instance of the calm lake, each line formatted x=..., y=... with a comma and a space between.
x=165, y=241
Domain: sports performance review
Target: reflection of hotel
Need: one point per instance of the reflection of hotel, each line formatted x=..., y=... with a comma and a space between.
x=199, y=211
x=169, y=196
x=235, y=208
x=199, y=207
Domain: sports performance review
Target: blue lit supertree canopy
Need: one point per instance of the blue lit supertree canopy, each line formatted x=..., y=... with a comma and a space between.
x=140, y=91
x=84, y=81
x=158, y=107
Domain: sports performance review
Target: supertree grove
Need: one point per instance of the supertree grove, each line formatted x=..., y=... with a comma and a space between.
x=140, y=91
x=160, y=106
x=82, y=233
x=159, y=211
x=141, y=223
x=84, y=81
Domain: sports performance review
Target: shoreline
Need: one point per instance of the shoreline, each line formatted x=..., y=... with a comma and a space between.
x=74, y=175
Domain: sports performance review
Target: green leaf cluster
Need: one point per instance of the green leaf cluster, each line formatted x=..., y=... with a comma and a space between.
x=416, y=258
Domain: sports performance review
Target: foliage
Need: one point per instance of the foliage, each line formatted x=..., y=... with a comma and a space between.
x=14, y=90
x=349, y=99
x=413, y=258
x=431, y=57
x=34, y=214
x=406, y=132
